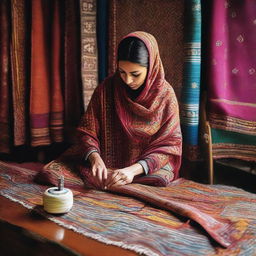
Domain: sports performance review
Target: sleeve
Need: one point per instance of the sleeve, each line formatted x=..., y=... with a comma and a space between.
x=144, y=165
x=89, y=127
x=166, y=145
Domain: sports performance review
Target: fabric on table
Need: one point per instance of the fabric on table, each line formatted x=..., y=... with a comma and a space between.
x=227, y=212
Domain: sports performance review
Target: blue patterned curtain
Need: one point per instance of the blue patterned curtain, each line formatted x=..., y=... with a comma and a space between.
x=190, y=95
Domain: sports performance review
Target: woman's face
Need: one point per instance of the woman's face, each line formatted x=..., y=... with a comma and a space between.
x=132, y=74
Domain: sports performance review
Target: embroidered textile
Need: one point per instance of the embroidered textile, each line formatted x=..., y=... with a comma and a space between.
x=232, y=70
x=88, y=48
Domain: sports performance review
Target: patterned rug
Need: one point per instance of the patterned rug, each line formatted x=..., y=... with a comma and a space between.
x=123, y=220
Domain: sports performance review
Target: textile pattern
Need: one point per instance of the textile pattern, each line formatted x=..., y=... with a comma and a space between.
x=190, y=95
x=168, y=31
x=46, y=101
x=89, y=55
x=232, y=72
x=131, y=221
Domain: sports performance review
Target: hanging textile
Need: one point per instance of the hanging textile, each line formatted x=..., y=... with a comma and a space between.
x=5, y=82
x=40, y=73
x=56, y=97
x=102, y=38
x=88, y=48
x=19, y=53
x=46, y=103
x=72, y=65
x=191, y=79
x=168, y=31
x=232, y=79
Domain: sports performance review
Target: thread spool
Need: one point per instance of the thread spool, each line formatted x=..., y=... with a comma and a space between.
x=58, y=200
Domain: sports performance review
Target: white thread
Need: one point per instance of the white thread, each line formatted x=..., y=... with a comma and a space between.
x=57, y=201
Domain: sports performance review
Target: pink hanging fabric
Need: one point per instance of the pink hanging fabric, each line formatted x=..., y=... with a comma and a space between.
x=232, y=77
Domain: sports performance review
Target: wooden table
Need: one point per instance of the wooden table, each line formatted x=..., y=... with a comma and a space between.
x=22, y=232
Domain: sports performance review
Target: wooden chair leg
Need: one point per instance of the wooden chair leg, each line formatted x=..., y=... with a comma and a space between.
x=209, y=153
x=206, y=139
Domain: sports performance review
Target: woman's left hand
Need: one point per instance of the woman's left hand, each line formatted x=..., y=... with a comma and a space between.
x=123, y=176
x=120, y=177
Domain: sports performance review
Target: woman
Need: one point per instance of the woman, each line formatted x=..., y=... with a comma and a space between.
x=131, y=131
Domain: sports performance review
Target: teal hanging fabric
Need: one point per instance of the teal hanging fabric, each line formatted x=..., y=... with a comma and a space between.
x=190, y=95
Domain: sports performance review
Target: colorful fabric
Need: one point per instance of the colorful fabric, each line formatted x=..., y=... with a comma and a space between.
x=89, y=54
x=227, y=144
x=71, y=169
x=5, y=34
x=168, y=31
x=228, y=215
x=148, y=126
x=46, y=102
x=232, y=69
x=190, y=96
x=19, y=53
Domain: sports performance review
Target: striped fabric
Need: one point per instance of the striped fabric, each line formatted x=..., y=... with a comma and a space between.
x=134, y=224
x=88, y=49
x=46, y=101
x=191, y=81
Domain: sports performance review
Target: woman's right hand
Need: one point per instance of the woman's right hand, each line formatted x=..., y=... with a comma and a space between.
x=98, y=168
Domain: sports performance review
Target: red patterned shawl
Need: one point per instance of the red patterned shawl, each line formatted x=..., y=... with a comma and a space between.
x=125, y=131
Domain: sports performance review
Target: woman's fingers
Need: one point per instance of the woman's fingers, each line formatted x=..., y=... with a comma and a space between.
x=118, y=178
x=105, y=173
x=112, y=179
x=119, y=183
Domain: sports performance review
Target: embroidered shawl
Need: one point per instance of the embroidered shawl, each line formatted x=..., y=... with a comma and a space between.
x=123, y=130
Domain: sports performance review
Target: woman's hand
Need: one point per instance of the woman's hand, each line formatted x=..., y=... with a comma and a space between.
x=98, y=168
x=123, y=176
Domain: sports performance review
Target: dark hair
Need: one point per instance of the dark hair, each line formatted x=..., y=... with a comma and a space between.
x=134, y=50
